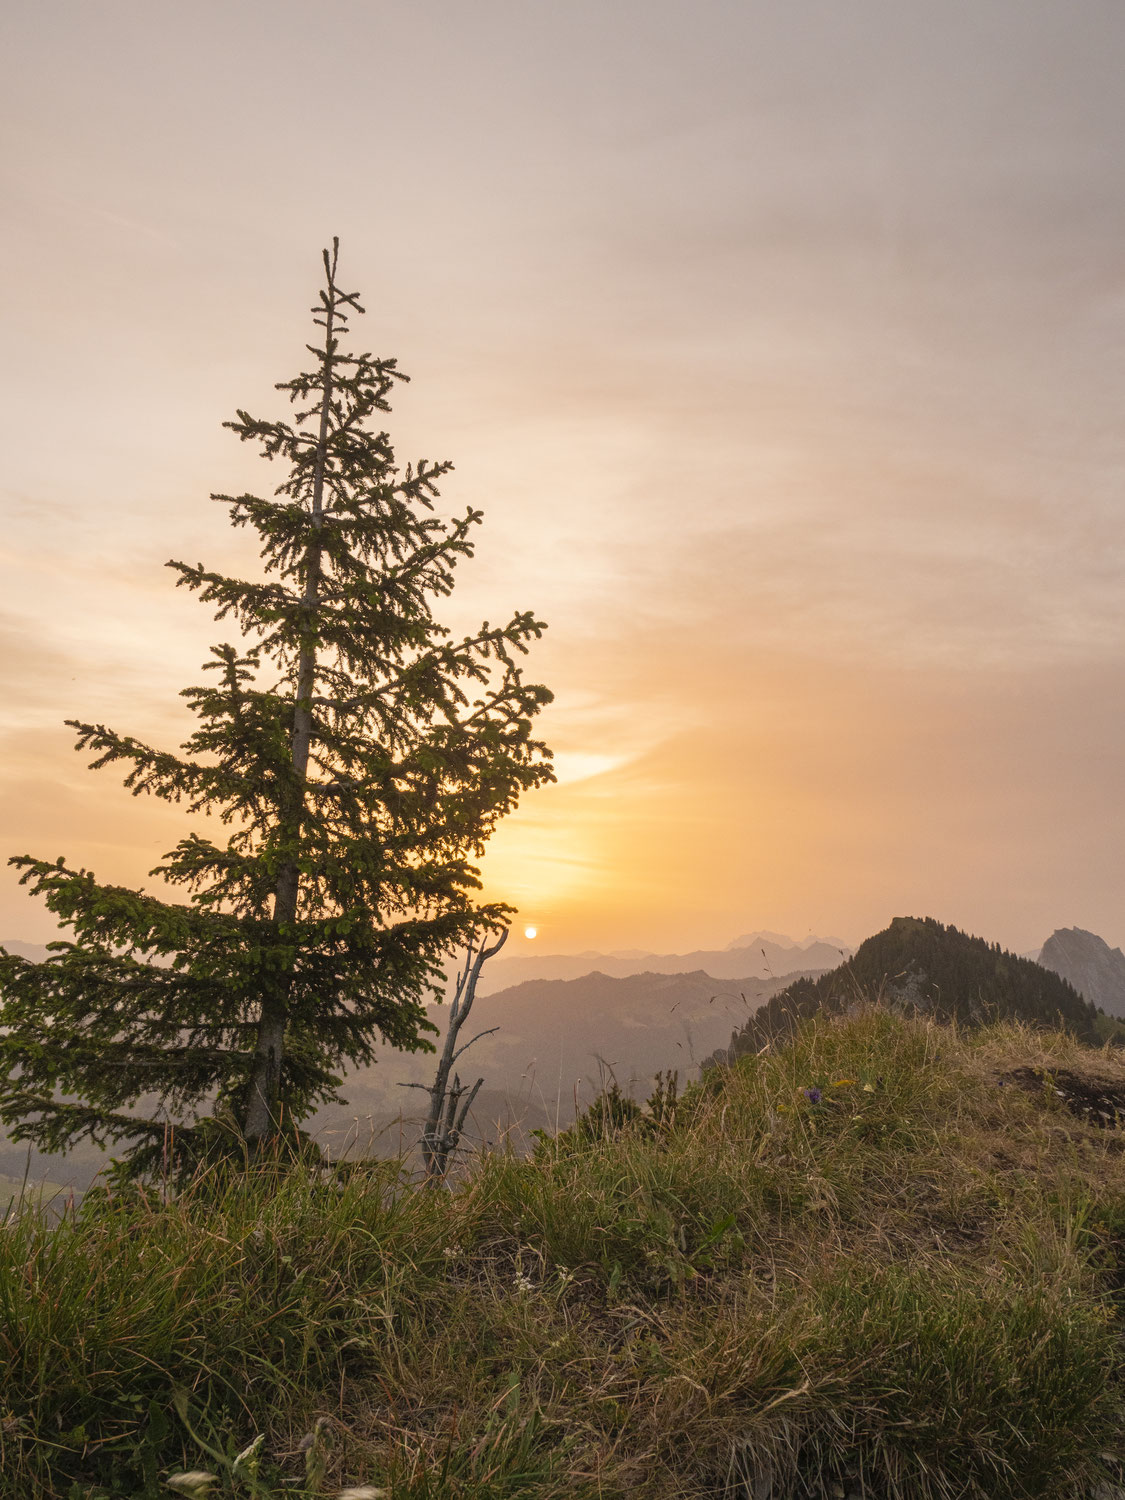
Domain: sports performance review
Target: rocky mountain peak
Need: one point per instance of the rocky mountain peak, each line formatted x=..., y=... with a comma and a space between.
x=1086, y=961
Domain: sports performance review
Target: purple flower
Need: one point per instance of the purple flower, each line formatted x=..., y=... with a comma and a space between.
x=812, y=1095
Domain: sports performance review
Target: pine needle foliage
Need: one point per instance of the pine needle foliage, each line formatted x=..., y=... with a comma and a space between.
x=359, y=756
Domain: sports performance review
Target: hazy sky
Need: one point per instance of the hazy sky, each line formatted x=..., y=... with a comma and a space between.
x=782, y=344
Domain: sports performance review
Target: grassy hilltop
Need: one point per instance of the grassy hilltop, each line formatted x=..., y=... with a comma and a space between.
x=884, y=1258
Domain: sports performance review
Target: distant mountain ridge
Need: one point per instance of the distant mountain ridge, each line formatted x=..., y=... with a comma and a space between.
x=764, y=956
x=780, y=940
x=1086, y=961
x=921, y=965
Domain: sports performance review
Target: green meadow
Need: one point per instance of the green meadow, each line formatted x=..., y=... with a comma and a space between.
x=874, y=1260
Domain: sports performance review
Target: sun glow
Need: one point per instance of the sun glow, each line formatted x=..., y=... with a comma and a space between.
x=530, y=932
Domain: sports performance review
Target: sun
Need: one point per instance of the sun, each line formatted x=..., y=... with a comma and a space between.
x=530, y=932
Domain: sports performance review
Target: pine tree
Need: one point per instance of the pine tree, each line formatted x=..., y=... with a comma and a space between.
x=360, y=756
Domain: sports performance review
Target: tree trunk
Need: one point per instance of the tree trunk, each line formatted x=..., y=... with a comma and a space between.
x=265, y=1083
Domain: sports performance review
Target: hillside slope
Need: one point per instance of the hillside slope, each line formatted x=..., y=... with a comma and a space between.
x=883, y=1260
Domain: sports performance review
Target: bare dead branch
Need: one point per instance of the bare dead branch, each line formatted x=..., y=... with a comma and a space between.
x=443, y=1128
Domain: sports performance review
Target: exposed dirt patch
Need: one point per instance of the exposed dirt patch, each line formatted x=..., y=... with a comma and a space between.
x=1099, y=1101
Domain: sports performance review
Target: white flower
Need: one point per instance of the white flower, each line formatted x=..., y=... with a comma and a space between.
x=524, y=1283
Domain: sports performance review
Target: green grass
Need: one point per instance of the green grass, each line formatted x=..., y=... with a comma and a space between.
x=909, y=1283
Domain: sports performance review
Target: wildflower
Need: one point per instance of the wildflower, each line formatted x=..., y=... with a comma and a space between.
x=868, y=1088
x=814, y=1096
x=843, y=1083
x=524, y=1283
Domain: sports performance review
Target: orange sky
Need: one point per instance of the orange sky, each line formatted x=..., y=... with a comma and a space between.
x=783, y=346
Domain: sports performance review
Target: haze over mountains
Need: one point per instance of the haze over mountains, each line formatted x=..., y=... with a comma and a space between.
x=765, y=955
x=558, y=1042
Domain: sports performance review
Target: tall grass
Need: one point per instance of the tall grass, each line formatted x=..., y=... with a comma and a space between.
x=857, y=1261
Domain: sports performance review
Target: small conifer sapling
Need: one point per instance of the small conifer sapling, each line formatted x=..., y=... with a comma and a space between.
x=359, y=756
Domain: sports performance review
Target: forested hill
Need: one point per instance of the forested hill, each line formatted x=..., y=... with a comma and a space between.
x=919, y=964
